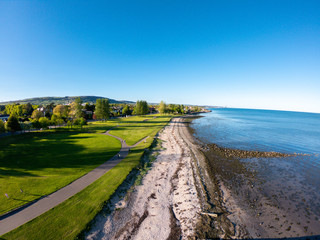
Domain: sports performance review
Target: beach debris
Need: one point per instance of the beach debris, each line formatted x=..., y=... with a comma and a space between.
x=210, y=214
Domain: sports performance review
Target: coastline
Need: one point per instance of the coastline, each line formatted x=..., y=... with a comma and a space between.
x=176, y=199
x=198, y=190
x=164, y=206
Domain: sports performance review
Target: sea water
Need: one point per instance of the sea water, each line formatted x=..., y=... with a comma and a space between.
x=263, y=130
x=291, y=183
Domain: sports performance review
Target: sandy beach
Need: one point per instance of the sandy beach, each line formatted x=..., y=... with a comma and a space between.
x=165, y=205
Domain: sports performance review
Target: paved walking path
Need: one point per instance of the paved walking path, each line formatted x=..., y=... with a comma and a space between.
x=12, y=220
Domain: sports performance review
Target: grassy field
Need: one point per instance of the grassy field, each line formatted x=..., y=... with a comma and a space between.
x=70, y=218
x=136, y=128
x=40, y=163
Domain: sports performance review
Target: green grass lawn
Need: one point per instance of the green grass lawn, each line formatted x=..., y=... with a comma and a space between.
x=100, y=127
x=43, y=162
x=69, y=219
x=139, y=127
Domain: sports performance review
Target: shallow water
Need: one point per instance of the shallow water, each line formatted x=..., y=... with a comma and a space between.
x=266, y=130
x=282, y=185
x=263, y=130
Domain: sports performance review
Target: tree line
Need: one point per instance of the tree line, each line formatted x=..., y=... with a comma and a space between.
x=28, y=116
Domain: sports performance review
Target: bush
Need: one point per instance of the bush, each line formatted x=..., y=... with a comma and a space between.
x=44, y=122
x=35, y=123
x=80, y=122
x=54, y=119
x=12, y=124
x=60, y=121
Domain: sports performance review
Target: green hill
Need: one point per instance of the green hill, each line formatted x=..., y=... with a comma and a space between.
x=61, y=100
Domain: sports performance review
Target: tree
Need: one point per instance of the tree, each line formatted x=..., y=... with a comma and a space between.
x=76, y=108
x=141, y=108
x=2, y=128
x=80, y=122
x=50, y=107
x=47, y=114
x=102, y=109
x=14, y=110
x=182, y=109
x=12, y=124
x=35, y=123
x=175, y=108
x=145, y=107
x=36, y=114
x=171, y=108
x=27, y=109
x=162, y=107
x=61, y=111
x=35, y=106
x=55, y=120
x=44, y=122
x=59, y=121
x=126, y=110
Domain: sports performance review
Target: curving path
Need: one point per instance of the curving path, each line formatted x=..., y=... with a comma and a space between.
x=14, y=219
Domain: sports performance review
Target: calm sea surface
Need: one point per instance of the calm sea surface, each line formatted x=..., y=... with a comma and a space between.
x=264, y=130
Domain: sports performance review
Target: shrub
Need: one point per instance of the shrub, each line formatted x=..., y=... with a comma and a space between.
x=44, y=122
x=35, y=123
x=12, y=124
x=59, y=121
x=80, y=122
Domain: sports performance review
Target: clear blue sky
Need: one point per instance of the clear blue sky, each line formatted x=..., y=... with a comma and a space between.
x=250, y=54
